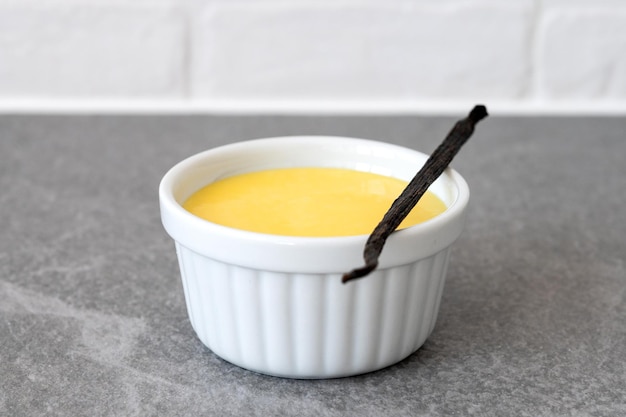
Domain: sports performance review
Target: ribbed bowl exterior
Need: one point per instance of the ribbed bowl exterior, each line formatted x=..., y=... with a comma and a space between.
x=311, y=325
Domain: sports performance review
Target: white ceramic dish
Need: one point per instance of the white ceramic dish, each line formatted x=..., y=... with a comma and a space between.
x=276, y=304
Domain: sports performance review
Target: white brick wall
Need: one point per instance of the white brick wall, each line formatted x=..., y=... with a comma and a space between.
x=79, y=50
x=315, y=55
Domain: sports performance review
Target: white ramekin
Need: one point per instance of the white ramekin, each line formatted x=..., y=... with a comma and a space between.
x=276, y=304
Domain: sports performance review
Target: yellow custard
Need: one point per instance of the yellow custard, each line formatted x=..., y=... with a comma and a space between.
x=306, y=202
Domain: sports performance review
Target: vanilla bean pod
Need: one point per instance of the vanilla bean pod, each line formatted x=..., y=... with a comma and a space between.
x=401, y=207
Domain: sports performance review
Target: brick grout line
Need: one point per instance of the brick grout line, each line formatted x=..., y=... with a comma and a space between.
x=289, y=107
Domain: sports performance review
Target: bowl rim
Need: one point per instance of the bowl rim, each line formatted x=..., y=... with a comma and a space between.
x=173, y=215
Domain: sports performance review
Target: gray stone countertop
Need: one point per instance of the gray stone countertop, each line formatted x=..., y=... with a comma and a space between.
x=93, y=320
